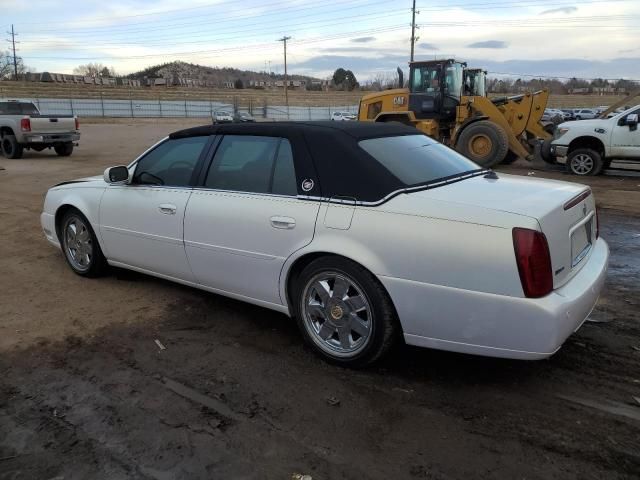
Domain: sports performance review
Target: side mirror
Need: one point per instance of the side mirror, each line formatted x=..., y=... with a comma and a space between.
x=632, y=120
x=117, y=174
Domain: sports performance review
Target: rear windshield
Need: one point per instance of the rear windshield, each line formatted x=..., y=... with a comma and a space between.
x=417, y=159
x=18, y=108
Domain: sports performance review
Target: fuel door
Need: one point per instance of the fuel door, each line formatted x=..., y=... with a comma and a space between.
x=339, y=213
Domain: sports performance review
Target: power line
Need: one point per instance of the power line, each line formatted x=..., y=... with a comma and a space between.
x=243, y=47
x=218, y=18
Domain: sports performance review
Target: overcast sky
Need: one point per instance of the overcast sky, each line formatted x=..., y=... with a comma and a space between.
x=537, y=37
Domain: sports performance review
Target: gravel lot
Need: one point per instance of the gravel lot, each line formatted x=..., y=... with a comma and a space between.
x=85, y=392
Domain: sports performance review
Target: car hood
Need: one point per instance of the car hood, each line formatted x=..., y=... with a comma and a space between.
x=95, y=178
x=595, y=122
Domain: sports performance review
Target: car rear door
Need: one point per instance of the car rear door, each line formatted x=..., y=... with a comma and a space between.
x=246, y=219
x=141, y=223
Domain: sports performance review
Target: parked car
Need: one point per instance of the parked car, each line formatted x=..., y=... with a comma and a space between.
x=591, y=145
x=568, y=114
x=553, y=115
x=242, y=117
x=222, y=116
x=22, y=126
x=343, y=116
x=585, y=114
x=363, y=232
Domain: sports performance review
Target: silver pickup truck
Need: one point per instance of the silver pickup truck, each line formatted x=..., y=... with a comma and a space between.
x=23, y=127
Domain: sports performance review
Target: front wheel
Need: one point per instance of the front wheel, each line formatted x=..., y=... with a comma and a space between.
x=484, y=142
x=585, y=161
x=80, y=245
x=64, y=149
x=344, y=313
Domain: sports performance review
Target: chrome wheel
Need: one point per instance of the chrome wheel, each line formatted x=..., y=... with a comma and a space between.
x=78, y=244
x=337, y=314
x=582, y=164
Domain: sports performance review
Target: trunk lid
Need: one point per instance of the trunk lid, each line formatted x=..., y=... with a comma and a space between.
x=565, y=212
x=52, y=124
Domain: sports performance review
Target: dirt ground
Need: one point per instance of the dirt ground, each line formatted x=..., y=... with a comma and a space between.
x=86, y=393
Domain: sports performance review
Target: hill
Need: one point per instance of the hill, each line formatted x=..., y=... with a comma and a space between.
x=210, y=75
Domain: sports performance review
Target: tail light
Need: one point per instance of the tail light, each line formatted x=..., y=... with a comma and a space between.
x=597, y=223
x=534, y=262
x=25, y=125
x=77, y=123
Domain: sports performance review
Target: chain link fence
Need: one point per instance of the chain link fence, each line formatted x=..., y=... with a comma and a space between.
x=163, y=108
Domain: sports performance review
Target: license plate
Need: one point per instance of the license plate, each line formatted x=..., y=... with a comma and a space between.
x=581, y=243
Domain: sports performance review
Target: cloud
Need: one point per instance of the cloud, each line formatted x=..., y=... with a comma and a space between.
x=489, y=44
x=566, y=10
x=428, y=46
x=363, y=39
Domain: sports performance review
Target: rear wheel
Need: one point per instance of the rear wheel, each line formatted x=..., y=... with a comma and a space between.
x=10, y=147
x=80, y=245
x=585, y=161
x=483, y=142
x=64, y=149
x=343, y=312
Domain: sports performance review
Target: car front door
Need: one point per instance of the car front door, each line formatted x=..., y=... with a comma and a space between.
x=246, y=218
x=625, y=139
x=141, y=223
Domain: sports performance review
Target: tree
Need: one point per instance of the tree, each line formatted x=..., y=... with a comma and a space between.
x=238, y=84
x=7, y=70
x=94, y=70
x=344, y=79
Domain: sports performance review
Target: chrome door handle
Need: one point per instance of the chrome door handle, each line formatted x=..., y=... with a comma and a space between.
x=167, y=209
x=286, y=223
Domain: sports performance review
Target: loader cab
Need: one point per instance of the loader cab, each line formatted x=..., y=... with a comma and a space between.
x=435, y=88
x=475, y=82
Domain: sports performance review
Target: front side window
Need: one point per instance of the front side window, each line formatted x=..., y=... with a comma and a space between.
x=256, y=164
x=171, y=163
x=416, y=159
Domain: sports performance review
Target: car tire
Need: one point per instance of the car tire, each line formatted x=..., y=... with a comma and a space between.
x=354, y=330
x=64, y=149
x=578, y=117
x=80, y=245
x=10, y=147
x=483, y=142
x=585, y=161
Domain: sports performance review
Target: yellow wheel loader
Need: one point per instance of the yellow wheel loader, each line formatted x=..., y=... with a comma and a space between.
x=448, y=102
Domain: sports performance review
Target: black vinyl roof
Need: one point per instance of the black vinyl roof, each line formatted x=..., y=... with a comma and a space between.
x=327, y=153
x=357, y=130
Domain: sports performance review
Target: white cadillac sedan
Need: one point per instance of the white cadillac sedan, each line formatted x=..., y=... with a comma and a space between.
x=362, y=232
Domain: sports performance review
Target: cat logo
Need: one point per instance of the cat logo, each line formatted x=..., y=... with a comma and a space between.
x=398, y=100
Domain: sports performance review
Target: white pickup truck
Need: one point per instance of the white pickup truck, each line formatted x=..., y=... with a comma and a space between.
x=591, y=145
x=23, y=127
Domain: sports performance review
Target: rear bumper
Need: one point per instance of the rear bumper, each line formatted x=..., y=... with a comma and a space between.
x=478, y=323
x=51, y=138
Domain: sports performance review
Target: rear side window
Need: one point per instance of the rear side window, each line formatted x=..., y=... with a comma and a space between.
x=256, y=164
x=416, y=159
x=171, y=163
x=18, y=108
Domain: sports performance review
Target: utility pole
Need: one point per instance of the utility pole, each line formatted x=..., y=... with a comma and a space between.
x=15, y=59
x=413, y=28
x=286, y=80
